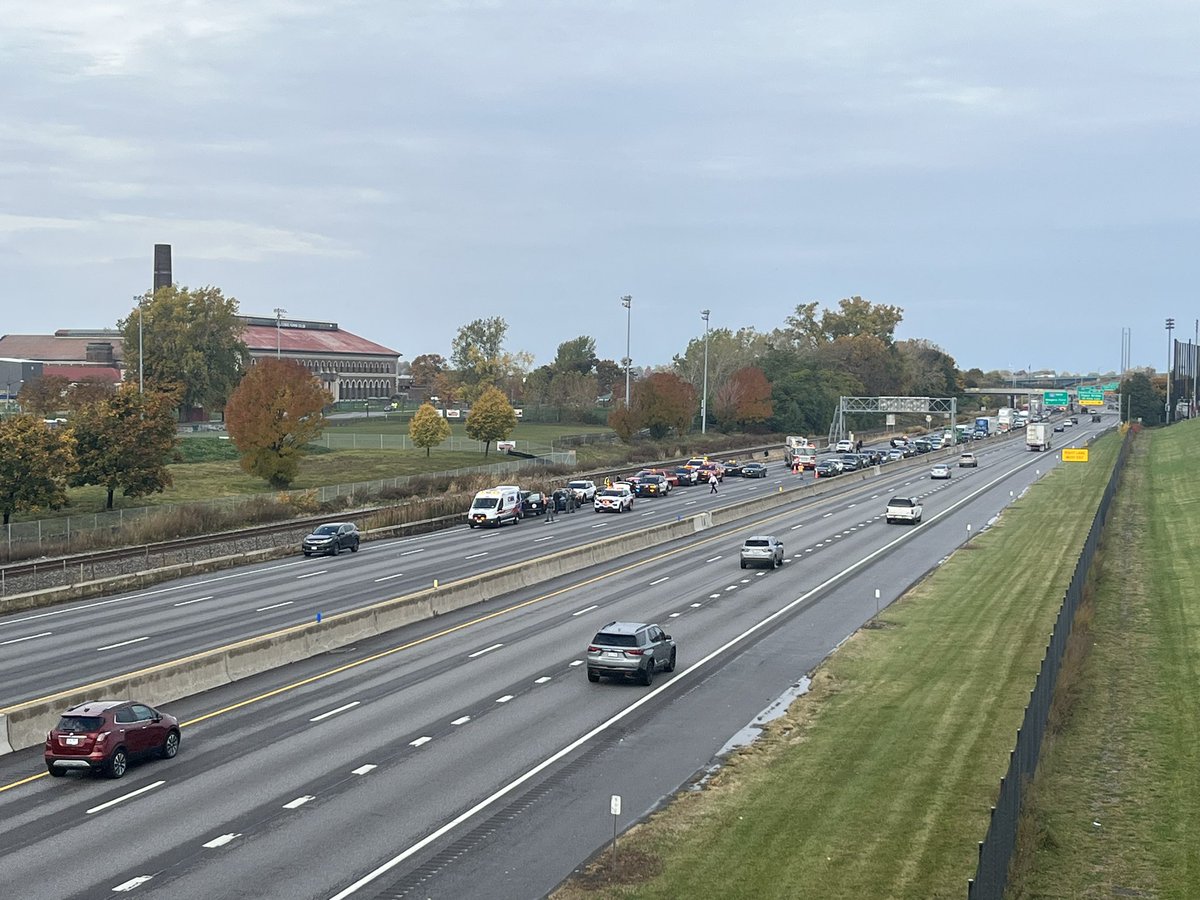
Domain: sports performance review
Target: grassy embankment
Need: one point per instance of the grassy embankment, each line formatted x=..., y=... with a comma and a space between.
x=1117, y=797
x=879, y=781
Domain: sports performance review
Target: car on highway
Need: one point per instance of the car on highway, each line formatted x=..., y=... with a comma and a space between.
x=940, y=471
x=844, y=446
x=331, y=538
x=614, y=499
x=564, y=500
x=709, y=469
x=851, y=462
x=687, y=476
x=904, y=509
x=584, y=490
x=826, y=468
x=630, y=650
x=648, y=486
x=1059, y=427
x=968, y=461
x=732, y=466
x=896, y=453
x=105, y=735
x=533, y=503
x=754, y=470
x=762, y=550
x=922, y=446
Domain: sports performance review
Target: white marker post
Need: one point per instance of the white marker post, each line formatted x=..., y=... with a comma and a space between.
x=968, y=532
x=877, y=603
x=614, y=808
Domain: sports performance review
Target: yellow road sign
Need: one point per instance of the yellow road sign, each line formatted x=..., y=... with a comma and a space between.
x=1075, y=454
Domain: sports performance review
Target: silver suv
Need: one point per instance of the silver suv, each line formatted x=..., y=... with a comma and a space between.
x=622, y=649
x=762, y=549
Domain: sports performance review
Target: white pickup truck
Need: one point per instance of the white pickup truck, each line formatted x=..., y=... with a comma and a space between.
x=904, y=509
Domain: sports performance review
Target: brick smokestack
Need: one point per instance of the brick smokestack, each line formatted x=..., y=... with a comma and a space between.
x=162, y=266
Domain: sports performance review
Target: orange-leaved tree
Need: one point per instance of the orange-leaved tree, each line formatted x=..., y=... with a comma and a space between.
x=275, y=410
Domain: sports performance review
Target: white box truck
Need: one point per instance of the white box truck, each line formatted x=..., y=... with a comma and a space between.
x=1037, y=435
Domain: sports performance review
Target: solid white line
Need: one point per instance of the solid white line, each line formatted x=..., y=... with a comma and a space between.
x=124, y=643
x=484, y=650
x=504, y=699
x=363, y=770
x=299, y=801
x=334, y=712
x=312, y=574
x=461, y=720
x=131, y=884
x=588, y=610
x=476, y=555
x=26, y=638
x=411, y=552
x=541, y=680
x=190, y=602
x=714, y=559
x=275, y=605
x=419, y=741
x=124, y=797
x=660, y=580
x=221, y=841
x=389, y=577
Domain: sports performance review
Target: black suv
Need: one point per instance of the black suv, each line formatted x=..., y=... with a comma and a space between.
x=622, y=649
x=332, y=538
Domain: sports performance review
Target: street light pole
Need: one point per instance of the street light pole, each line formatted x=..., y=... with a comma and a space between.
x=1170, y=347
x=704, y=394
x=278, y=319
x=627, y=302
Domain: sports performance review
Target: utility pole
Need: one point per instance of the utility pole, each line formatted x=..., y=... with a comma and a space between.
x=278, y=325
x=627, y=302
x=704, y=395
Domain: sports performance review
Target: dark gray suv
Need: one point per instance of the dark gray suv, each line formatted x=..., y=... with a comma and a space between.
x=623, y=649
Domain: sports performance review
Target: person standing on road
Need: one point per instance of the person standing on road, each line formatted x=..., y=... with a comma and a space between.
x=712, y=482
x=551, y=506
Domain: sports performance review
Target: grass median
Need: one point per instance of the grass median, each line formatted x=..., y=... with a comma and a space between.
x=878, y=783
x=1114, y=805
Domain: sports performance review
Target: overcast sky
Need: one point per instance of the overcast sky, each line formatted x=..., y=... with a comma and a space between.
x=1019, y=177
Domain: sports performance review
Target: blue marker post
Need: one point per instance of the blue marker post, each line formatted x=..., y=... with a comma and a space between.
x=318, y=618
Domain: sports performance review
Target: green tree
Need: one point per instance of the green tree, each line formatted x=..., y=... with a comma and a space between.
x=728, y=351
x=35, y=462
x=425, y=368
x=190, y=338
x=272, y=414
x=475, y=354
x=856, y=316
x=44, y=396
x=577, y=355
x=1141, y=399
x=873, y=364
x=608, y=376
x=928, y=371
x=491, y=418
x=89, y=391
x=123, y=441
x=426, y=428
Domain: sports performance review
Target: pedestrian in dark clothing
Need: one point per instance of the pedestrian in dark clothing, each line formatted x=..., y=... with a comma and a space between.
x=712, y=482
x=551, y=507
x=859, y=447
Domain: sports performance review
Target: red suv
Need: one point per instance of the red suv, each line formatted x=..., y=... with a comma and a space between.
x=104, y=735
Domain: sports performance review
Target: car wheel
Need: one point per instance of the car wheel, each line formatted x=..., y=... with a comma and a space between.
x=354, y=547
x=671, y=662
x=743, y=564
x=469, y=525
x=170, y=746
x=337, y=549
x=307, y=554
x=776, y=563
x=56, y=773
x=118, y=764
x=648, y=674
x=593, y=676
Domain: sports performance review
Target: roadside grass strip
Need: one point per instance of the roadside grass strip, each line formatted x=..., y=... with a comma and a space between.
x=1116, y=800
x=879, y=781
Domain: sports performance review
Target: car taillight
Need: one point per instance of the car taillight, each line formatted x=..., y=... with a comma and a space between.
x=101, y=737
x=635, y=652
x=592, y=649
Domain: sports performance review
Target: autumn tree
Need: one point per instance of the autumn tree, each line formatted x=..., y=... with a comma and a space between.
x=425, y=368
x=35, y=462
x=272, y=414
x=743, y=401
x=122, y=441
x=492, y=418
x=663, y=402
x=622, y=421
x=428, y=429
x=44, y=396
x=728, y=351
x=191, y=338
x=89, y=391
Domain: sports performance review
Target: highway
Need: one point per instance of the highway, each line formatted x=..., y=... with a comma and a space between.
x=468, y=756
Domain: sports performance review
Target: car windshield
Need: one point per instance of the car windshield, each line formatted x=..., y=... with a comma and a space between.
x=326, y=529
x=80, y=723
x=534, y=496
x=901, y=501
x=578, y=484
x=615, y=640
x=485, y=502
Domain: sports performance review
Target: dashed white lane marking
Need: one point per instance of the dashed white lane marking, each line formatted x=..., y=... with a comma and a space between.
x=874, y=496
x=124, y=643
x=689, y=503
x=298, y=802
x=190, y=602
x=660, y=580
x=131, y=884
x=334, y=712
x=794, y=527
x=411, y=552
x=808, y=550
x=124, y=797
x=419, y=741
x=674, y=615
x=599, y=525
x=475, y=555
x=851, y=506
x=389, y=577
x=548, y=537
x=732, y=587
x=312, y=574
x=504, y=699
x=647, y=513
x=29, y=637
x=576, y=662
x=714, y=596
x=714, y=559
x=697, y=605
x=541, y=680
x=587, y=610
x=363, y=770
x=827, y=515
x=484, y=650
x=221, y=841
x=275, y=606
x=461, y=720
x=745, y=581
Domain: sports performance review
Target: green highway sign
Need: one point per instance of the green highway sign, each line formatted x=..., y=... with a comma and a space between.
x=1113, y=386
x=1091, y=393
x=1055, y=398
